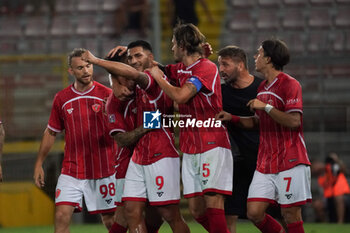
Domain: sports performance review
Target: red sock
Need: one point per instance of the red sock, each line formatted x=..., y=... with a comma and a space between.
x=116, y=228
x=203, y=220
x=270, y=225
x=217, y=220
x=295, y=227
x=152, y=229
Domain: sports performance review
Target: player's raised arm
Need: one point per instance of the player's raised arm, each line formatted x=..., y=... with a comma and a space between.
x=180, y=95
x=130, y=138
x=117, y=68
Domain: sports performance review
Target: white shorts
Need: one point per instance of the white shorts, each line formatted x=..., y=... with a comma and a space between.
x=288, y=188
x=211, y=171
x=119, y=191
x=99, y=194
x=159, y=182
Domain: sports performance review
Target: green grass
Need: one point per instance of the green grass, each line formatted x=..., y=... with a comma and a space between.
x=242, y=227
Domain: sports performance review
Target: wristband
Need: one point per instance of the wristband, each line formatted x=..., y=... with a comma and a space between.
x=268, y=108
x=235, y=119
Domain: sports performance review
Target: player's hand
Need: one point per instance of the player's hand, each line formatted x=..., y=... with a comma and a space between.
x=113, y=52
x=156, y=72
x=207, y=49
x=223, y=116
x=39, y=176
x=256, y=104
x=89, y=57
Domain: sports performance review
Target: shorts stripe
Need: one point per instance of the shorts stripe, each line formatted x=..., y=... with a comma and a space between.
x=156, y=203
x=112, y=210
x=134, y=199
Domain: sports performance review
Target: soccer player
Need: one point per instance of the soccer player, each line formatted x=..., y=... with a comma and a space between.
x=88, y=163
x=2, y=139
x=207, y=166
x=283, y=169
x=153, y=172
x=121, y=110
x=238, y=89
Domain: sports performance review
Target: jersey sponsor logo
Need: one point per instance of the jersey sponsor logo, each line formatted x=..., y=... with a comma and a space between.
x=111, y=118
x=160, y=194
x=70, y=110
x=151, y=120
x=109, y=201
x=96, y=107
x=293, y=101
x=58, y=192
x=204, y=182
x=184, y=72
x=134, y=110
x=288, y=196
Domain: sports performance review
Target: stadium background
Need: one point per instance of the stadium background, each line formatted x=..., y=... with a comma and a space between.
x=34, y=45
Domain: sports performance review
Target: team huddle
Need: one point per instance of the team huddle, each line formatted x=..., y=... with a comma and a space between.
x=131, y=175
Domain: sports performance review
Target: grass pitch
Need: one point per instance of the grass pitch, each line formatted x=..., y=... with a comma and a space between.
x=242, y=227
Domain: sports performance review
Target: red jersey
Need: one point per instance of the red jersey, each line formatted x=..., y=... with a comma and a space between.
x=280, y=148
x=203, y=107
x=157, y=143
x=122, y=118
x=89, y=150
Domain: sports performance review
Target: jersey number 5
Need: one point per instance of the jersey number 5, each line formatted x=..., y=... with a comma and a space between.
x=206, y=170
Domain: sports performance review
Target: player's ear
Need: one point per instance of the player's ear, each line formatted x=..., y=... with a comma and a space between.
x=70, y=71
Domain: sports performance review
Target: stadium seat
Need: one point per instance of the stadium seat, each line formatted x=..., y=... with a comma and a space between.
x=36, y=26
x=269, y=3
x=295, y=42
x=317, y=42
x=87, y=25
x=338, y=41
x=65, y=6
x=241, y=21
x=295, y=2
x=267, y=20
x=342, y=18
x=10, y=27
x=57, y=46
x=109, y=24
x=293, y=19
x=8, y=47
x=244, y=41
x=314, y=2
x=87, y=5
x=319, y=18
x=243, y=3
x=62, y=26
x=110, y=5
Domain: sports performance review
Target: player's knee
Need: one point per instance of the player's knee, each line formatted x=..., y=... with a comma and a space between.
x=62, y=217
x=291, y=215
x=255, y=215
x=131, y=212
x=108, y=220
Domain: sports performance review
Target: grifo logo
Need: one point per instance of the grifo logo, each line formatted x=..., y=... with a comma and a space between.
x=152, y=120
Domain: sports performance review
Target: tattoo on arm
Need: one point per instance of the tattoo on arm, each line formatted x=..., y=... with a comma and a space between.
x=142, y=80
x=192, y=88
x=130, y=138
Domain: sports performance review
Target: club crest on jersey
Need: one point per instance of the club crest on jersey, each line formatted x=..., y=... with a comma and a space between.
x=96, y=107
x=70, y=110
x=58, y=192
